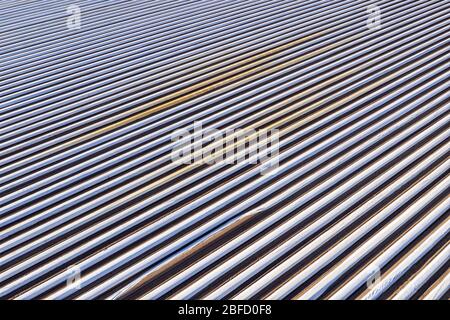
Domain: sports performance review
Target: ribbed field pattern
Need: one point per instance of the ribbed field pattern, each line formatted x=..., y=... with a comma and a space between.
x=357, y=209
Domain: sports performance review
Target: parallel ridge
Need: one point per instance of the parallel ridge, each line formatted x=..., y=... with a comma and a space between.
x=357, y=209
